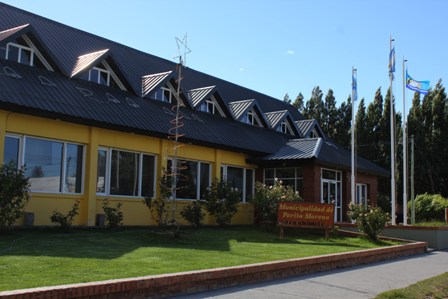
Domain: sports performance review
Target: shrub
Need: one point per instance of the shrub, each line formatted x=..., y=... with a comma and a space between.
x=193, y=213
x=221, y=201
x=114, y=216
x=158, y=206
x=430, y=207
x=266, y=199
x=65, y=220
x=370, y=220
x=14, y=193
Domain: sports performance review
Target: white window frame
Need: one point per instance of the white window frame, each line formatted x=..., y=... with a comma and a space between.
x=21, y=159
x=363, y=199
x=21, y=48
x=140, y=172
x=224, y=177
x=198, y=176
x=98, y=79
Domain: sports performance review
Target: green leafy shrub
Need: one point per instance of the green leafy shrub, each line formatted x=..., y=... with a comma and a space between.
x=14, y=193
x=221, y=201
x=193, y=213
x=114, y=216
x=65, y=220
x=370, y=220
x=266, y=199
x=429, y=207
x=158, y=206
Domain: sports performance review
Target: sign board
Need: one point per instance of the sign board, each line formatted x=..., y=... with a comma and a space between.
x=305, y=214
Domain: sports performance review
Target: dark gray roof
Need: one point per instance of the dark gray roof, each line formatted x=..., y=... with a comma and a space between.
x=13, y=31
x=325, y=152
x=40, y=92
x=297, y=149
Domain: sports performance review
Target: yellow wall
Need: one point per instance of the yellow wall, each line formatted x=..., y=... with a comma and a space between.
x=135, y=212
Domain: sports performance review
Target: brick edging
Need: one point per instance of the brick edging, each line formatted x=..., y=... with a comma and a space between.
x=157, y=286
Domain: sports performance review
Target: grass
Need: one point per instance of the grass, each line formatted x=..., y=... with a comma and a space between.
x=431, y=223
x=42, y=258
x=432, y=288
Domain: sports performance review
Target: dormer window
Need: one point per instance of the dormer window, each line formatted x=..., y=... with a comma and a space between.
x=252, y=119
x=210, y=106
x=164, y=94
x=19, y=53
x=285, y=128
x=99, y=75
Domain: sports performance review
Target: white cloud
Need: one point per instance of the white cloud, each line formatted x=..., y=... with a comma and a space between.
x=241, y=69
x=290, y=52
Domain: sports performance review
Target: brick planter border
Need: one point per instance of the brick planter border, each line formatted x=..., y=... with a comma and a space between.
x=157, y=286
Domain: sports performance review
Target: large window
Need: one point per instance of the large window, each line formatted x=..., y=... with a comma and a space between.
x=53, y=166
x=291, y=176
x=193, y=178
x=361, y=194
x=125, y=173
x=164, y=94
x=240, y=179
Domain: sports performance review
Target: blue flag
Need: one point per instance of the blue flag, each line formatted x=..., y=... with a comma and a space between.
x=418, y=86
x=392, y=60
x=354, y=87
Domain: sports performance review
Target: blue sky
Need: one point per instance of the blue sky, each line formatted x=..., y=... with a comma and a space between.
x=276, y=46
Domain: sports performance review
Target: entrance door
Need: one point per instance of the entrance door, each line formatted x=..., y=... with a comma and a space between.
x=331, y=195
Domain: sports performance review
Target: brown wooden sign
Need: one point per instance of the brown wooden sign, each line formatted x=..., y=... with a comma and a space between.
x=301, y=214
x=306, y=213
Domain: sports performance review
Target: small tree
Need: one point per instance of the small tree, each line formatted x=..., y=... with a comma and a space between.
x=266, y=199
x=158, y=205
x=65, y=220
x=221, y=201
x=370, y=220
x=114, y=216
x=193, y=213
x=429, y=207
x=14, y=193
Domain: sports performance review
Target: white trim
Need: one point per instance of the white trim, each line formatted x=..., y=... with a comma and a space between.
x=114, y=76
x=38, y=53
x=21, y=48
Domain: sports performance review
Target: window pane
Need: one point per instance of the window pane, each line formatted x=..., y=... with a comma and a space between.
x=13, y=53
x=11, y=150
x=328, y=174
x=299, y=186
x=269, y=182
x=249, y=183
x=93, y=73
x=25, y=56
x=148, y=170
x=269, y=174
x=103, y=78
x=299, y=172
x=73, y=171
x=101, y=171
x=283, y=173
x=2, y=52
x=124, y=173
x=187, y=180
x=43, y=160
x=235, y=178
x=205, y=179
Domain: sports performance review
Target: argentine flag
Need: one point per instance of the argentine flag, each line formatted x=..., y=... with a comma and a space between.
x=418, y=86
x=392, y=60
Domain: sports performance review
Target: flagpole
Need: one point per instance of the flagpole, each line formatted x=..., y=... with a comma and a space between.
x=405, y=153
x=392, y=134
x=353, y=137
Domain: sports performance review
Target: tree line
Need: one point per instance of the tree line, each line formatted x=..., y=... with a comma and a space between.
x=427, y=121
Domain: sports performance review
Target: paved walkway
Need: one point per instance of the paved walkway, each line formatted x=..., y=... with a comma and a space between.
x=357, y=282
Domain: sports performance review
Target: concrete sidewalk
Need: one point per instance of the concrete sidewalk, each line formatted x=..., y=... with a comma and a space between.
x=357, y=282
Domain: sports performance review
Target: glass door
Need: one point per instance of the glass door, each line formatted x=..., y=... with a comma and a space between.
x=331, y=195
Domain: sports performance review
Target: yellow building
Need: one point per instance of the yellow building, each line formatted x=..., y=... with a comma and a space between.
x=93, y=119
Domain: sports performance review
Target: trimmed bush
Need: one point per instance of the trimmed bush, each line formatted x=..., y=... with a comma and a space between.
x=221, y=201
x=370, y=221
x=65, y=220
x=14, y=193
x=193, y=213
x=266, y=199
x=114, y=216
x=429, y=207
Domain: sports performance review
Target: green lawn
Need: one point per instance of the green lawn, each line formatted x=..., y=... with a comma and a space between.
x=436, y=287
x=41, y=258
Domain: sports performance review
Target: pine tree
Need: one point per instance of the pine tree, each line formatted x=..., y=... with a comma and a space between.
x=343, y=124
x=287, y=99
x=361, y=131
x=299, y=104
x=314, y=108
x=330, y=114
